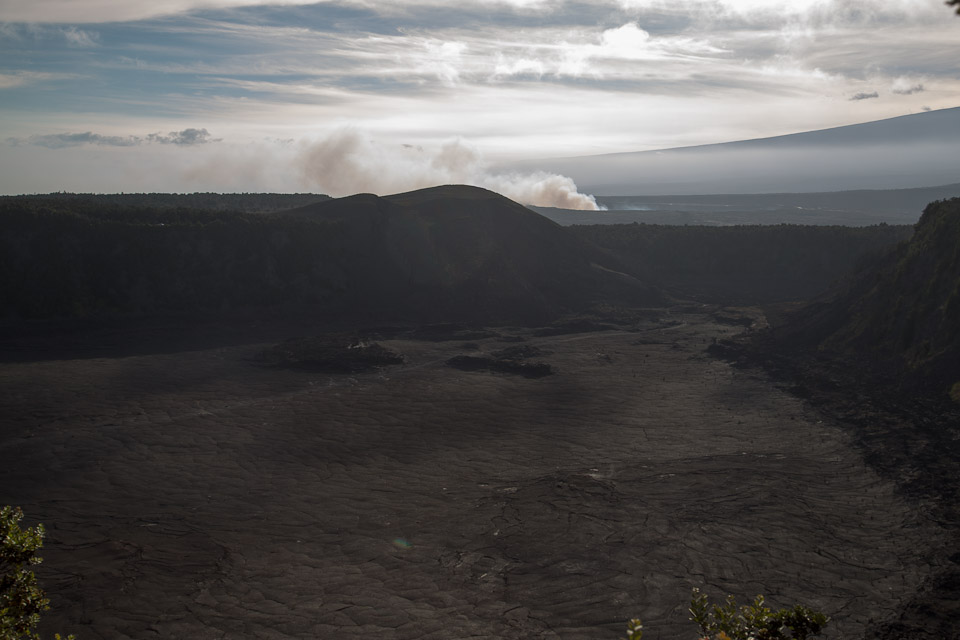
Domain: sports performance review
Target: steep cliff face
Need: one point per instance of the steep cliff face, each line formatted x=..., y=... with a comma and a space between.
x=901, y=311
x=913, y=310
x=881, y=354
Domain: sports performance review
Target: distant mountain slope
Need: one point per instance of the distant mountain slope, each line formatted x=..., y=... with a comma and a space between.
x=917, y=150
x=902, y=312
x=930, y=126
x=452, y=253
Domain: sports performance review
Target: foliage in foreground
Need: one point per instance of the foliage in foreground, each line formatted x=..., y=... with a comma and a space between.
x=21, y=599
x=755, y=621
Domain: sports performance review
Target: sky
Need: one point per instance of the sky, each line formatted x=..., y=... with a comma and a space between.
x=344, y=96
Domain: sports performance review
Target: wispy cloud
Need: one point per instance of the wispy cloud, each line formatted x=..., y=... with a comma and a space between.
x=72, y=35
x=428, y=58
x=103, y=11
x=187, y=137
x=80, y=38
x=449, y=57
x=905, y=87
x=750, y=11
x=519, y=78
x=13, y=79
x=60, y=140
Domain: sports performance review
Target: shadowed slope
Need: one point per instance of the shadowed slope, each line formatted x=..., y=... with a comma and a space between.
x=451, y=253
x=881, y=354
x=470, y=253
x=913, y=311
x=902, y=310
x=742, y=264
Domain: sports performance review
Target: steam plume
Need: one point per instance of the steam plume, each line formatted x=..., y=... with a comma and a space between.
x=348, y=162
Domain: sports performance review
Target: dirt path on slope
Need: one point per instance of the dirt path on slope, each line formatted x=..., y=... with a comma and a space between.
x=196, y=495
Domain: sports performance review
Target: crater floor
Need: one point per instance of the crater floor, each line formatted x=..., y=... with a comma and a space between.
x=198, y=495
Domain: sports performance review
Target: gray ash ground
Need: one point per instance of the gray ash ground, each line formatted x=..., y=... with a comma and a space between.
x=196, y=495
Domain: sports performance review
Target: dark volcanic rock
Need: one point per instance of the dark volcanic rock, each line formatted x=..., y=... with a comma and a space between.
x=450, y=331
x=466, y=254
x=881, y=354
x=900, y=312
x=744, y=264
x=519, y=352
x=330, y=353
x=188, y=494
x=581, y=325
x=447, y=254
x=525, y=369
x=733, y=320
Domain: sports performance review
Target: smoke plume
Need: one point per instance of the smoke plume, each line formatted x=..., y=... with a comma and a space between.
x=348, y=162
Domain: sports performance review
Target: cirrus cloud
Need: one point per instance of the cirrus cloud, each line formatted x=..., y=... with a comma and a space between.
x=186, y=137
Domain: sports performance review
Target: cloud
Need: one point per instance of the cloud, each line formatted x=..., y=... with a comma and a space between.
x=524, y=79
x=11, y=80
x=103, y=11
x=863, y=95
x=904, y=87
x=517, y=67
x=80, y=38
x=443, y=59
x=777, y=12
x=455, y=57
x=627, y=42
x=347, y=162
x=61, y=140
x=74, y=36
x=186, y=137
x=20, y=78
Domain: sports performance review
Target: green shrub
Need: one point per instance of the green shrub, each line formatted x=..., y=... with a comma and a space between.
x=21, y=599
x=755, y=621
